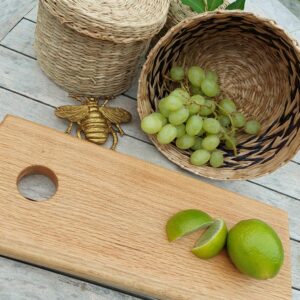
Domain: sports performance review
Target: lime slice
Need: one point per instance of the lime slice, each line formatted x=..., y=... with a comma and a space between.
x=212, y=241
x=255, y=249
x=186, y=222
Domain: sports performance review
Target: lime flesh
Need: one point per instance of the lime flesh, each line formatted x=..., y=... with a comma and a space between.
x=255, y=249
x=212, y=241
x=186, y=222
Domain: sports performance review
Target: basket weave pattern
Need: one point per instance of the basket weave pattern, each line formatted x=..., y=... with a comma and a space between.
x=179, y=12
x=259, y=68
x=88, y=54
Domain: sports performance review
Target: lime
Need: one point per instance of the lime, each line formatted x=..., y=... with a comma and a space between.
x=212, y=241
x=186, y=222
x=255, y=249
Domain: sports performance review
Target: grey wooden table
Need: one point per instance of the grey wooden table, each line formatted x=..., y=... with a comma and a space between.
x=25, y=91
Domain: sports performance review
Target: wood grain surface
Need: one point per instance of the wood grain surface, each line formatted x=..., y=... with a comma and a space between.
x=106, y=222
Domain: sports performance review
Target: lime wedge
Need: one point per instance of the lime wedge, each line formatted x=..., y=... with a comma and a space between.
x=186, y=222
x=212, y=241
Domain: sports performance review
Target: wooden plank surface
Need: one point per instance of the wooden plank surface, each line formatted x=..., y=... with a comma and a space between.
x=108, y=224
x=38, y=109
x=11, y=13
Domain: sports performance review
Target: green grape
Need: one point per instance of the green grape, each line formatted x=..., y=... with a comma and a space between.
x=211, y=75
x=216, y=159
x=211, y=125
x=185, y=142
x=230, y=142
x=179, y=117
x=162, y=108
x=224, y=120
x=252, y=127
x=238, y=120
x=196, y=75
x=167, y=134
x=210, y=88
x=163, y=119
x=198, y=143
x=193, y=108
x=208, y=108
x=197, y=101
x=151, y=124
x=195, y=90
x=227, y=106
x=173, y=103
x=200, y=157
x=182, y=94
x=211, y=142
x=177, y=73
x=202, y=131
x=180, y=130
x=194, y=125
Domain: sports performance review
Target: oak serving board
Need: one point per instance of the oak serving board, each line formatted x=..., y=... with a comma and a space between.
x=106, y=223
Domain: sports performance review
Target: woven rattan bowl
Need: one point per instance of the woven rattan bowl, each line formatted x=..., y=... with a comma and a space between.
x=259, y=68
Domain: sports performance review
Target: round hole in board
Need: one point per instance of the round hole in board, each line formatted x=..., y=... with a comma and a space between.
x=37, y=183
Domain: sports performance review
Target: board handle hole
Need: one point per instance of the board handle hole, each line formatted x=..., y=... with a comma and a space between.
x=37, y=183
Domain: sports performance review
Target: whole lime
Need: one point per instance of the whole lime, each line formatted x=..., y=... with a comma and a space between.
x=255, y=249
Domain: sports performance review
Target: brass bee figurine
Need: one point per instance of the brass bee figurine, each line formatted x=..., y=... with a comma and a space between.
x=95, y=121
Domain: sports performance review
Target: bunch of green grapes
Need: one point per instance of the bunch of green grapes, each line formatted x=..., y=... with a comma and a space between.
x=195, y=119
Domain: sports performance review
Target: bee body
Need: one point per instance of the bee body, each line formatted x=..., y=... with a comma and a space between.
x=94, y=126
x=96, y=122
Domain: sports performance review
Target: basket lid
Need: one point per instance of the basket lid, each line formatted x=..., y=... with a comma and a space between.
x=115, y=20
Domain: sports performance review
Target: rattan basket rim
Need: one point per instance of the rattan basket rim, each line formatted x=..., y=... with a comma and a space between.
x=119, y=21
x=202, y=171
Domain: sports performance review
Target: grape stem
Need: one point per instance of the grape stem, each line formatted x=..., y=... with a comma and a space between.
x=233, y=129
x=185, y=87
x=227, y=137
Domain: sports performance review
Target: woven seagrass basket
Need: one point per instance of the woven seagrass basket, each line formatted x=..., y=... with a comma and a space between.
x=259, y=68
x=95, y=47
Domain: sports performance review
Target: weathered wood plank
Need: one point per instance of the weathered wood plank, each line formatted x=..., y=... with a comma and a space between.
x=19, y=281
x=21, y=38
x=32, y=15
x=285, y=180
x=274, y=10
x=12, y=11
x=296, y=294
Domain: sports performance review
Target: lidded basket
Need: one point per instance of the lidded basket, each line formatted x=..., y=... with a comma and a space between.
x=259, y=68
x=93, y=47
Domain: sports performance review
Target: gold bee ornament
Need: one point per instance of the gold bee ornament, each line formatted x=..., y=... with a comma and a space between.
x=94, y=121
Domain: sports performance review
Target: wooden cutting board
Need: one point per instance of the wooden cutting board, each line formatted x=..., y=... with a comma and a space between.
x=106, y=223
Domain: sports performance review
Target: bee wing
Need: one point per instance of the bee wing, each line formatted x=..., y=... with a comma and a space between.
x=115, y=114
x=72, y=113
